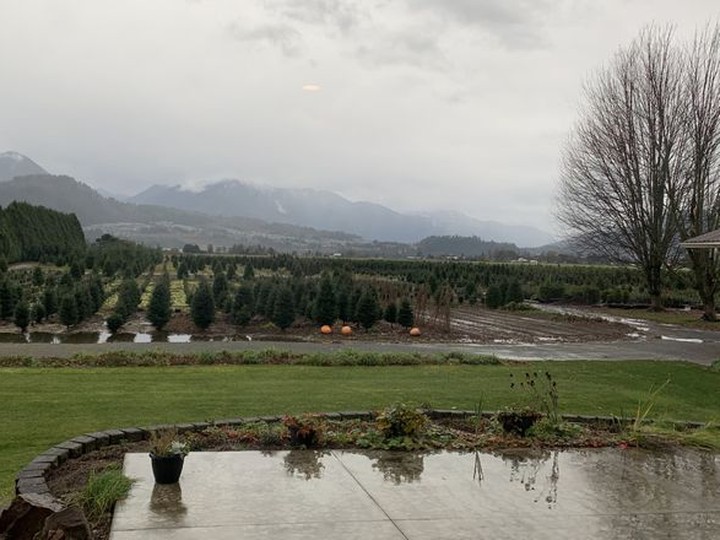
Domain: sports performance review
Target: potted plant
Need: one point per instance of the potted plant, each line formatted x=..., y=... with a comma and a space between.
x=167, y=455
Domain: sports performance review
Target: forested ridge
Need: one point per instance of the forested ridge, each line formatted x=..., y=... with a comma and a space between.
x=36, y=233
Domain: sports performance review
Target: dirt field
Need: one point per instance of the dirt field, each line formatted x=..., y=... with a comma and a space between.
x=468, y=325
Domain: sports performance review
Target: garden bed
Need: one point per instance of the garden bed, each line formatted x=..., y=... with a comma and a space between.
x=396, y=428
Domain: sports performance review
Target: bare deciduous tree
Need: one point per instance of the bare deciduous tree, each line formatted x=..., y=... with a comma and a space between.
x=695, y=195
x=624, y=154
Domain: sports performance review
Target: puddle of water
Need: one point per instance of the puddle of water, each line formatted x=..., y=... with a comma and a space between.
x=101, y=337
x=606, y=493
x=142, y=337
x=682, y=340
x=179, y=338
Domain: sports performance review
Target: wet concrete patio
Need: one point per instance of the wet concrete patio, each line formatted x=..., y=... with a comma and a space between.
x=304, y=494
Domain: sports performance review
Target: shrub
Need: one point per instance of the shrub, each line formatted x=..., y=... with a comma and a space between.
x=518, y=421
x=114, y=322
x=400, y=420
x=304, y=430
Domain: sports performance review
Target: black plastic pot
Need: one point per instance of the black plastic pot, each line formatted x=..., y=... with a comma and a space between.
x=167, y=469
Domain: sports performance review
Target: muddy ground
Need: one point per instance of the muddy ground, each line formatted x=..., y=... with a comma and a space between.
x=469, y=324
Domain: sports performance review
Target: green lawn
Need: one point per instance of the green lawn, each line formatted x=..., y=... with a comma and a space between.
x=43, y=406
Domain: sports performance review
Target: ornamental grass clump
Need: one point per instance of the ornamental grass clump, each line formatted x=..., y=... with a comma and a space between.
x=102, y=491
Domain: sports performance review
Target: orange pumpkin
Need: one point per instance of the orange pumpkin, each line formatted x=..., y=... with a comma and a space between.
x=346, y=331
x=415, y=331
x=325, y=329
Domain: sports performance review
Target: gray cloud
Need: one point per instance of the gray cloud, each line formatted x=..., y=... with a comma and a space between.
x=515, y=23
x=425, y=104
x=413, y=47
x=283, y=36
x=341, y=14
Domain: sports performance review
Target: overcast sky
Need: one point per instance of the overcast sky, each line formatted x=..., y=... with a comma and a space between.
x=416, y=104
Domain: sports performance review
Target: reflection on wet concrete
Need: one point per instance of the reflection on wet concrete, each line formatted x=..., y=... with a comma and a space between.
x=605, y=493
x=305, y=464
x=526, y=465
x=398, y=467
x=166, y=502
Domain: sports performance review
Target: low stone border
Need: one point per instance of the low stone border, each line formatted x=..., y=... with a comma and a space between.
x=31, y=481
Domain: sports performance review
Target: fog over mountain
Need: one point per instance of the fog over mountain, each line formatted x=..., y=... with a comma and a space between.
x=13, y=164
x=327, y=210
x=320, y=210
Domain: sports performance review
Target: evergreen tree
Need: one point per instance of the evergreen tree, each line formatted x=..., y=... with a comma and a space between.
x=325, y=306
x=514, y=292
x=242, y=309
x=405, y=315
x=3, y=264
x=22, y=315
x=76, y=269
x=38, y=313
x=494, y=297
x=249, y=272
x=202, y=309
x=128, y=298
x=68, y=310
x=50, y=302
x=220, y=288
x=97, y=292
x=84, y=301
x=354, y=302
x=283, y=310
x=182, y=270
x=368, y=309
x=7, y=301
x=390, y=314
x=114, y=322
x=37, y=276
x=159, y=307
x=269, y=308
x=343, y=304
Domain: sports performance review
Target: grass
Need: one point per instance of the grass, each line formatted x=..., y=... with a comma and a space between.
x=44, y=406
x=102, y=491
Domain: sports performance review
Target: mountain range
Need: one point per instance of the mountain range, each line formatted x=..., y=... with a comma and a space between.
x=13, y=164
x=231, y=211
x=329, y=211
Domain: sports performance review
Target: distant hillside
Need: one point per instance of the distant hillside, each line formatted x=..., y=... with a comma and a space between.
x=329, y=211
x=13, y=164
x=455, y=223
x=304, y=207
x=463, y=246
x=35, y=233
x=157, y=225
